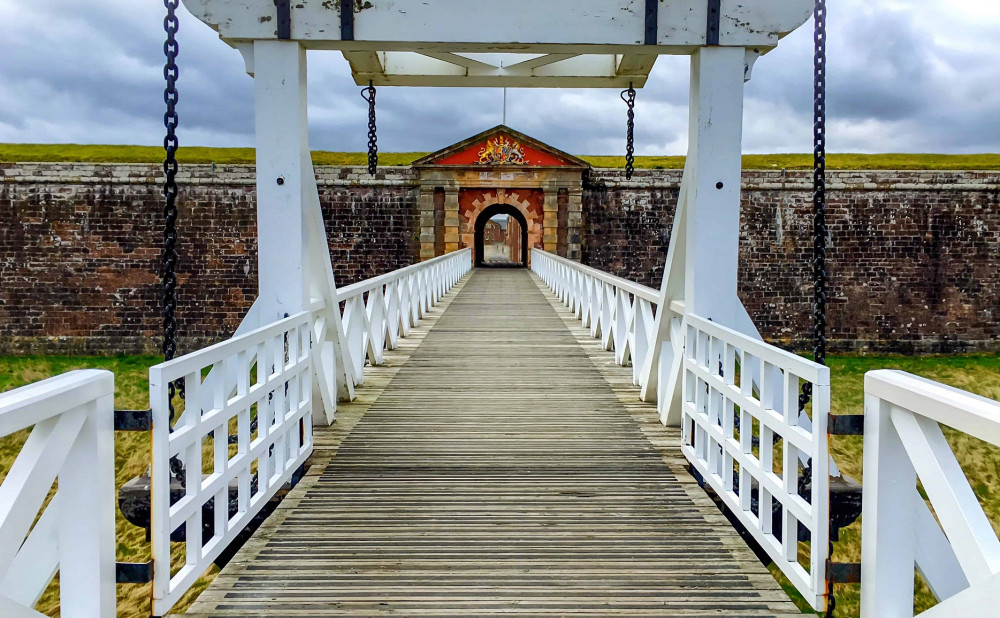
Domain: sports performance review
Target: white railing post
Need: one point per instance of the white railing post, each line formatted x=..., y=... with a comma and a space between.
x=72, y=440
x=87, y=515
x=888, y=548
x=955, y=548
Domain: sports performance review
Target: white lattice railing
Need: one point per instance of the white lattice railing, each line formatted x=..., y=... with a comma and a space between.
x=72, y=441
x=759, y=486
x=270, y=414
x=747, y=443
x=616, y=310
x=378, y=311
x=258, y=389
x=955, y=548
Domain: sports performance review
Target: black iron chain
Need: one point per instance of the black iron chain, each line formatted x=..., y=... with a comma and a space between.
x=368, y=94
x=819, y=220
x=169, y=257
x=819, y=187
x=629, y=97
x=168, y=272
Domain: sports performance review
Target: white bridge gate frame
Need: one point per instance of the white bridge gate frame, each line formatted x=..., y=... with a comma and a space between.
x=304, y=343
x=599, y=43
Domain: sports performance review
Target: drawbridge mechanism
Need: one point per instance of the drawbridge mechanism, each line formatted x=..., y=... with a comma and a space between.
x=482, y=43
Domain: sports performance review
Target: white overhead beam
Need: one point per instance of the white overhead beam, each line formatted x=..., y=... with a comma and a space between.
x=515, y=26
x=410, y=69
x=574, y=54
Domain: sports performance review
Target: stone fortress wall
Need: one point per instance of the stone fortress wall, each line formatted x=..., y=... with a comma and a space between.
x=914, y=256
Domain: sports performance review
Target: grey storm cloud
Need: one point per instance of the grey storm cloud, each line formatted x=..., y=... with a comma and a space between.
x=903, y=76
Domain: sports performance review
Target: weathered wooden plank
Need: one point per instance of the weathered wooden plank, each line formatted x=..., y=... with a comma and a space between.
x=498, y=463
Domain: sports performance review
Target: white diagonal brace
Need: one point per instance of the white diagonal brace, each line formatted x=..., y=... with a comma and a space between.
x=540, y=61
x=961, y=516
x=462, y=61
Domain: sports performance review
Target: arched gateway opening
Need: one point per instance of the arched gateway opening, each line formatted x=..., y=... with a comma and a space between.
x=484, y=217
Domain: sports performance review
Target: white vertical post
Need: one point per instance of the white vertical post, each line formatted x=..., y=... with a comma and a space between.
x=86, y=522
x=887, y=555
x=713, y=214
x=704, y=244
x=280, y=91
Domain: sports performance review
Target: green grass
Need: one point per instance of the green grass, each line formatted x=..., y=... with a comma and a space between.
x=222, y=156
x=981, y=462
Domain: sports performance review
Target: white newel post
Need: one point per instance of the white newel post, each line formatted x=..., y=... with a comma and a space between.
x=293, y=259
x=282, y=155
x=701, y=267
x=86, y=522
x=713, y=213
x=888, y=525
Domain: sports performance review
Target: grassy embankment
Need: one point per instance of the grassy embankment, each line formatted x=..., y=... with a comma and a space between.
x=224, y=156
x=977, y=373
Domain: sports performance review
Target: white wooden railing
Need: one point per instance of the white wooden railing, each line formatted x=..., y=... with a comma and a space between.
x=955, y=549
x=378, y=311
x=269, y=413
x=723, y=391
x=730, y=432
x=72, y=441
x=258, y=386
x=616, y=310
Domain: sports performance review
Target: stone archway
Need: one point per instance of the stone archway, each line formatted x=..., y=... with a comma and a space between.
x=480, y=227
x=527, y=203
x=500, y=166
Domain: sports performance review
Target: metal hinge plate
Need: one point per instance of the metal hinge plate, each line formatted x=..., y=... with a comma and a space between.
x=133, y=420
x=134, y=572
x=845, y=425
x=843, y=572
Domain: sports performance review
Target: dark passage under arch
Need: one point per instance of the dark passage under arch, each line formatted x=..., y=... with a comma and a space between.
x=492, y=211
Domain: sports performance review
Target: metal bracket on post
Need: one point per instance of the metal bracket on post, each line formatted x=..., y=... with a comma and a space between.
x=133, y=572
x=346, y=20
x=843, y=572
x=284, y=19
x=133, y=420
x=714, y=19
x=652, y=19
x=845, y=425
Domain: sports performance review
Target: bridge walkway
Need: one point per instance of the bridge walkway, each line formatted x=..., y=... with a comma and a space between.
x=499, y=462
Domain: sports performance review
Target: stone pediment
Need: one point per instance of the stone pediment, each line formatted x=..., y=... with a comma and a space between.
x=501, y=146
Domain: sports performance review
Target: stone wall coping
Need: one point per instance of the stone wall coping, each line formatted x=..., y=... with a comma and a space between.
x=405, y=176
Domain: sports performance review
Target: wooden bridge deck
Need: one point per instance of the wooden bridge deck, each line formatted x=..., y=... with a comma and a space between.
x=498, y=463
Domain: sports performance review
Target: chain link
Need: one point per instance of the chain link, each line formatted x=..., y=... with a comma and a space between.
x=629, y=97
x=368, y=94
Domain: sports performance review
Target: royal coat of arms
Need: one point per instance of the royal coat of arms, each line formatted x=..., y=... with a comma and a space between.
x=501, y=151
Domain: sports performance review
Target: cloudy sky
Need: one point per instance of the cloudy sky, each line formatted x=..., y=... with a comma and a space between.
x=905, y=76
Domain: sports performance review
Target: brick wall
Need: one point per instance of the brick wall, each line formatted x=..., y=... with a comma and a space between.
x=915, y=256
x=79, y=256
